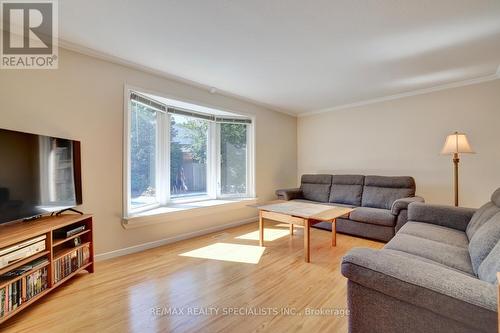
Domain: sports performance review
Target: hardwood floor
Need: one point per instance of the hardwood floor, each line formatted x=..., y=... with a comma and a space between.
x=252, y=291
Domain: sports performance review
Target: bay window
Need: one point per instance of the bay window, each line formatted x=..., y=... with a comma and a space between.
x=177, y=154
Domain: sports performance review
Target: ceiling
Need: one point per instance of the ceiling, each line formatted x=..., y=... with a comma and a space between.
x=293, y=55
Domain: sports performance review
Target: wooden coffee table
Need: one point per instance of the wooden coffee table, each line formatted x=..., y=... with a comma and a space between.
x=303, y=214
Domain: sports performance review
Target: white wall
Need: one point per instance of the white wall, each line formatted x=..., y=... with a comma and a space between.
x=83, y=100
x=405, y=136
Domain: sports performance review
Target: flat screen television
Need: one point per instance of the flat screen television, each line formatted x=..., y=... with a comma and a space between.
x=38, y=175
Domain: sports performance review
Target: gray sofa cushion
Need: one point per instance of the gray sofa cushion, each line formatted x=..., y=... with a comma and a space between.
x=316, y=179
x=480, y=217
x=436, y=233
x=316, y=187
x=367, y=230
x=347, y=189
x=452, y=256
x=373, y=216
x=484, y=240
x=490, y=266
x=381, y=191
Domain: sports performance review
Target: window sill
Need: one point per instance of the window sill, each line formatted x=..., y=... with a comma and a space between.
x=176, y=211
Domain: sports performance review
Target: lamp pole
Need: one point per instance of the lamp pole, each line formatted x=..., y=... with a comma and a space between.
x=456, y=159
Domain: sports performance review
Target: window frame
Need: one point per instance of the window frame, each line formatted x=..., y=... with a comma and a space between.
x=163, y=191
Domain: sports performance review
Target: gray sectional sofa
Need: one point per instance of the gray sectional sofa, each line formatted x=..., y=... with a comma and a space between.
x=438, y=274
x=380, y=202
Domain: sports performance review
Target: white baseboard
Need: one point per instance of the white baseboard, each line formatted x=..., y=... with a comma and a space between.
x=150, y=245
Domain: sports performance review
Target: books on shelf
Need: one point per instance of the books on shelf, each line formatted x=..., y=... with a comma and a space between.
x=2, y=301
x=36, y=282
x=13, y=294
x=71, y=262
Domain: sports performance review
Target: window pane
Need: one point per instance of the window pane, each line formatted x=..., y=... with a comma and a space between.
x=143, y=134
x=233, y=139
x=188, y=156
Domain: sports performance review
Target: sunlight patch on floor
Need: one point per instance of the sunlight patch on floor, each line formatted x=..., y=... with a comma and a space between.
x=249, y=254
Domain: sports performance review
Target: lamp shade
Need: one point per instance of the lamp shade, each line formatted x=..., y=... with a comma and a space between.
x=456, y=143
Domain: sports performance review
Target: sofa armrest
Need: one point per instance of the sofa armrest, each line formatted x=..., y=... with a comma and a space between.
x=447, y=216
x=425, y=284
x=403, y=203
x=289, y=193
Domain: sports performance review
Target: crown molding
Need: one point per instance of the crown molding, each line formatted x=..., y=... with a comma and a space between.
x=133, y=65
x=446, y=86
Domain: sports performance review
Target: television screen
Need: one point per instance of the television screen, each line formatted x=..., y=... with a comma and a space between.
x=38, y=175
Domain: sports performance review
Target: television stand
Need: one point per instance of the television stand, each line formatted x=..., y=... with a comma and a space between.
x=51, y=265
x=68, y=210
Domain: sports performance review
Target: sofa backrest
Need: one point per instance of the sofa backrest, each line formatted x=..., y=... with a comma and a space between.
x=484, y=234
x=483, y=214
x=316, y=187
x=382, y=191
x=347, y=189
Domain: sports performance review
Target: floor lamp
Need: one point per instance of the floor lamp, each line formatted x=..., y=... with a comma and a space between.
x=455, y=144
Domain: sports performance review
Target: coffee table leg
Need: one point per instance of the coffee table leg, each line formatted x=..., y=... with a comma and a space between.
x=291, y=229
x=306, y=241
x=334, y=232
x=261, y=229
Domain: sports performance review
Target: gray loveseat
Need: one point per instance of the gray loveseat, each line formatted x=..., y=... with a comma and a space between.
x=380, y=202
x=438, y=274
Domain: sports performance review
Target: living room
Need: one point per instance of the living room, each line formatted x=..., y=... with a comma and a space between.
x=249, y=166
